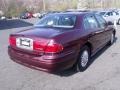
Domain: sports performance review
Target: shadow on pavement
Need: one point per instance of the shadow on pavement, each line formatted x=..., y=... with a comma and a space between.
x=71, y=72
x=9, y=24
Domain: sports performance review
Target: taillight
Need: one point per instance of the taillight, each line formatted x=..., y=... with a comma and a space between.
x=38, y=46
x=50, y=47
x=53, y=47
x=12, y=41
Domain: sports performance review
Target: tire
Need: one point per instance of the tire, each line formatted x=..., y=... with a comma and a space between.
x=83, y=59
x=112, y=39
x=118, y=22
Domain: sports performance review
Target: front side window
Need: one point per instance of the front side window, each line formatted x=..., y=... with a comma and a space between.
x=90, y=23
x=115, y=13
x=101, y=21
x=65, y=21
x=109, y=13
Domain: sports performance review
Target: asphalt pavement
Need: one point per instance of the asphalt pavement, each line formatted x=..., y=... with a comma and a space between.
x=102, y=74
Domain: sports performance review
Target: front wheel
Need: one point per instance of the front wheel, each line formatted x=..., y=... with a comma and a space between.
x=112, y=39
x=118, y=22
x=83, y=59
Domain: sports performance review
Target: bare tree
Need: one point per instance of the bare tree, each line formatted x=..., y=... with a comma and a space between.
x=14, y=7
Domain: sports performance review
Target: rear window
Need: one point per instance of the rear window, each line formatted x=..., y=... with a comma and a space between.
x=62, y=21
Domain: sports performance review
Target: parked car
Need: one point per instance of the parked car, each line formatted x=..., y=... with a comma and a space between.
x=60, y=41
x=43, y=14
x=77, y=10
x=2, y=17
x=26, y=15
x=112, y=16
x=36, y=15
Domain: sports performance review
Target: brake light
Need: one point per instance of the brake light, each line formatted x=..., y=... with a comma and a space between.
x=12, y=41
x=53, y=47
x=38, y=46
x=50, y=47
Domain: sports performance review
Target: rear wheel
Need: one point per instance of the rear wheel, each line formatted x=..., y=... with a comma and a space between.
x=83, y=59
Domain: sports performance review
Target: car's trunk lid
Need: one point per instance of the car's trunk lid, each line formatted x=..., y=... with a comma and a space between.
x=41, y=32
x=34, y=40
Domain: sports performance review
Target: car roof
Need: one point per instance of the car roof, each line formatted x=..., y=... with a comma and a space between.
x=74, y=13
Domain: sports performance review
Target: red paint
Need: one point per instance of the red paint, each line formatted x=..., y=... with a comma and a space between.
x=57, y=49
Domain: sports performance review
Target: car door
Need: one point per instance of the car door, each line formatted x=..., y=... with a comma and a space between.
x=103, y=26
x=95, y=32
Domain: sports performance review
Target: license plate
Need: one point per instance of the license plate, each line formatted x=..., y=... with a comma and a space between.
x=25, y=43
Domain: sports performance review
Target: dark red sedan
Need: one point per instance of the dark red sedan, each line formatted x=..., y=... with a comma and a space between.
x=60, y=41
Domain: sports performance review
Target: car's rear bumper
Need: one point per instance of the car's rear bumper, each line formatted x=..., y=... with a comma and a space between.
x=38, y=62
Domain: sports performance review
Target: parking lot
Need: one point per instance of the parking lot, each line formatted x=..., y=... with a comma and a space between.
x=102, y=74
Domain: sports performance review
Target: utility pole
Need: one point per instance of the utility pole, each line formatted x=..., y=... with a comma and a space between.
x=44, y=5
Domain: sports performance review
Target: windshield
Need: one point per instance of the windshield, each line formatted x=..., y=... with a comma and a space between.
x=102, y=13
x=62, y=21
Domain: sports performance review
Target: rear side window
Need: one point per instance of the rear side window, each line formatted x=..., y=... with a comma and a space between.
x=90, y=22
x=101, y=21
x=86, y=24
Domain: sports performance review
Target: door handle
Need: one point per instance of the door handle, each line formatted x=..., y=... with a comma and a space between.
x=98, y=32
x=94, y=33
